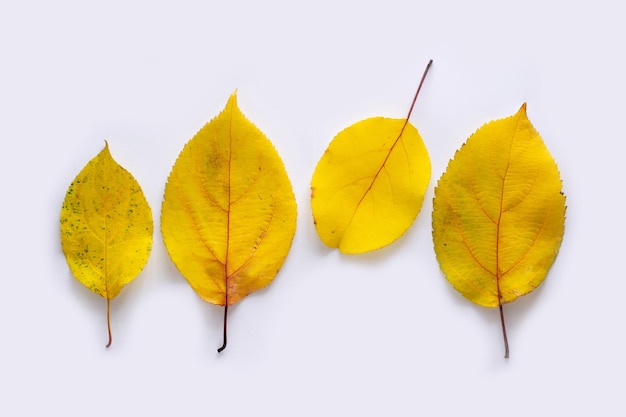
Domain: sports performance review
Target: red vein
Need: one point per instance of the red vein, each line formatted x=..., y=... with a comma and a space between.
x=478, y=200
x=521, y=200
x=453, y=264
x=543, y=226
x=406, y=121
x=262, y=236
x=469, y=250
x=106, y=245
x=207, y=193
x=250, y=187
x=226, y=275
x=196, y=227
x=229, y=179
x=466, y=244
x=498, y=227
x=500, y=214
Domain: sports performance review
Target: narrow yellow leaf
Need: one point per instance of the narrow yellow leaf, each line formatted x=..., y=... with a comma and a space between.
x=106, y=227
x=229, y=213
x=368, y=187
x=499, y=214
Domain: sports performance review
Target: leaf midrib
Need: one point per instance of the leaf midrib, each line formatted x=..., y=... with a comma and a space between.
x=375, y=177
x=230, y=157
x=498, y=275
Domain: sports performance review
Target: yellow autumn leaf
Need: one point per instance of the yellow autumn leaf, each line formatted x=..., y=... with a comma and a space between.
x=106, y=227
x=229, y=213
x=499, y=214
x=368, y=187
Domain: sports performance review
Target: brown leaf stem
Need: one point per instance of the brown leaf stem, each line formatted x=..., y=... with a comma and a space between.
x=506, y=340
x=419, y=87
x=109, y=322
x=225, y=322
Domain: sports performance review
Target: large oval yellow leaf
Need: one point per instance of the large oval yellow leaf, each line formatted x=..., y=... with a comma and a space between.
x=106, y=227
x=498, y=213
x=229, y=213
x=369, y=185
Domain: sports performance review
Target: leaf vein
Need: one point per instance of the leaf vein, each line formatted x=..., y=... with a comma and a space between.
x=257, y=245
x=530, y=248
x=375, y=176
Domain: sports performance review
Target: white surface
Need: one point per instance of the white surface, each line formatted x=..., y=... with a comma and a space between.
x=380, y=334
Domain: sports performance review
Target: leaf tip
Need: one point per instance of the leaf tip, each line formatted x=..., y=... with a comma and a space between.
x=105, y=151
x=233, y=98
x=523, y=109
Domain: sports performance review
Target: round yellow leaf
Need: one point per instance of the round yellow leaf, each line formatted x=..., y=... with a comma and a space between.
x=369, y=185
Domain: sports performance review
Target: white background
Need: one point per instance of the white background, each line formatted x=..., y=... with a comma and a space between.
x=377, y=334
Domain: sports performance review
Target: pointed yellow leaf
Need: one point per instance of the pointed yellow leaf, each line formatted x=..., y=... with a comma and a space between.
x=106, y=227
x=229, y=213
x=498, y=213
x=369, y=185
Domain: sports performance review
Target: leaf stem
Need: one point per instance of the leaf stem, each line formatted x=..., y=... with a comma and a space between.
x=225, y=323
x=419, y=87
x=109, y=322
x=506, y=340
